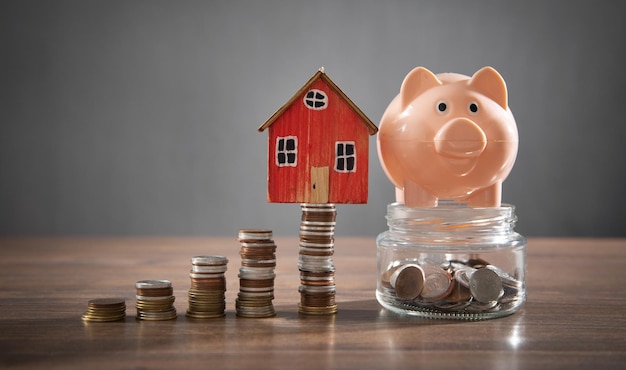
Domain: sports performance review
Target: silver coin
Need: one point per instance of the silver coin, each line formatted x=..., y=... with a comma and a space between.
x=328, y=262
x=256, y=290
x=153, y=284
x=316, y=267
x=317, y=233
x=476, y=306
x=148, y=298
x=462, y=275
x=307, y=258
x=256, y=270
x=317, y=278
x=204, y=275
x=311, y=207
x=209, y=260
x=246, y=260
x=316, y=245
x=269, y=244
x=315, y=250
x=208, y=269
x=317, y=289
x=507, y=279
x=437, y=282
x=316, y=227
x=408, y=281
x=485, y=285
x=254, y=234
x=318, y=223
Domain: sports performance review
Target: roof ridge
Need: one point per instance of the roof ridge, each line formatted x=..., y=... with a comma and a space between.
x=321, y=73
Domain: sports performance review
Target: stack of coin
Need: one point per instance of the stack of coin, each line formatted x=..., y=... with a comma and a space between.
x=155, y=300
x=105, y=310
x=208, y=287
x=317, y=272
x=256, y=274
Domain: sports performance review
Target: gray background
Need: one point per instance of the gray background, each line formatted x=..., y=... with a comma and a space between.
x=140, y=117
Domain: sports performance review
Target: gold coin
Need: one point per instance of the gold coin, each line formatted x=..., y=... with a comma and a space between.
x=102, y=319
x=326, y=310
x=202, y=315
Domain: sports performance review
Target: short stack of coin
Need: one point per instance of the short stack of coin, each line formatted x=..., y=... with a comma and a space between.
x=256, y=274
x=208, y=287
x=105, y=310
x=155, y=300
x=317, y=272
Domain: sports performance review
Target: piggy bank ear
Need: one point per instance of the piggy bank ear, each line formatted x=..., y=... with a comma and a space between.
x=488, y=82
x=416, y=82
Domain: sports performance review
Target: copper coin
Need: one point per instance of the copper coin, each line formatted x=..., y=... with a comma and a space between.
x=157, y=292
x=106, y=302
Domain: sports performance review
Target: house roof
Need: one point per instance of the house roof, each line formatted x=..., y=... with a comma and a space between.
x=320, y=74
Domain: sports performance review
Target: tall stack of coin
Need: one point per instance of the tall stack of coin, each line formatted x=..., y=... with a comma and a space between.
x=317, y=272
x=208, y=287
x=155, y=300
x=256, y=274
x=105, y=309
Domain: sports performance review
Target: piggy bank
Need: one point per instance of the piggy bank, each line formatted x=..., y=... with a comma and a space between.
x=448, y=136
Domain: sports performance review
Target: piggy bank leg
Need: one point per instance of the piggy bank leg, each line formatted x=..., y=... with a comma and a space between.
x=488, y=197
x=416, y=196
x=399, y=195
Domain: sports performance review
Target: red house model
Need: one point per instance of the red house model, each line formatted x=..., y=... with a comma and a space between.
x=318, y=147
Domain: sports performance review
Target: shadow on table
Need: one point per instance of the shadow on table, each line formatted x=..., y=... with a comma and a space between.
x=360, y=312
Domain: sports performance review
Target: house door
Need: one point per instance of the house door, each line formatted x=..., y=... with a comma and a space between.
x=319, y=185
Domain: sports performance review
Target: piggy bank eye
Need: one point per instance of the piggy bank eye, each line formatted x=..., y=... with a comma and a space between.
x=473, y=107
x=442, y=106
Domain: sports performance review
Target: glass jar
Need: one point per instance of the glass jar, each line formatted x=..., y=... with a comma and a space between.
x=451, y=262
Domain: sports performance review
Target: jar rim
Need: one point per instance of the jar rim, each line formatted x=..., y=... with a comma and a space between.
x=451, y=217
x=449, y=204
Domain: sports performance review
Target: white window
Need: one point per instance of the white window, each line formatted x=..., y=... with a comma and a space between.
x=345, y=156
x=287, y=151
x=316, y=99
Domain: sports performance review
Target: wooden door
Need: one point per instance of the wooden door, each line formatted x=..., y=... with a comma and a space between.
x=319, y=185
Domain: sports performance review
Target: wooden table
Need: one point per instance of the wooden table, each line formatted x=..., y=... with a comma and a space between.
x=575, y=316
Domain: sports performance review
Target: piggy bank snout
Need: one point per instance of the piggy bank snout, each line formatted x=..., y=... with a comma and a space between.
x=460, y=138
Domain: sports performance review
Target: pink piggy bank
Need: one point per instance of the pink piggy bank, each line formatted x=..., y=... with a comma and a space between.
x=448, y=136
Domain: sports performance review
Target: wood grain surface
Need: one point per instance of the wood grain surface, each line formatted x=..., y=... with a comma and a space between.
x=575, y=316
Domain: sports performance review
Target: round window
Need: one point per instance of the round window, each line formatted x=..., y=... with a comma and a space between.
x=316, y=99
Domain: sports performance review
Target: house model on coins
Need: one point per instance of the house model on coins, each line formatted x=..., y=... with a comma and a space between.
x=318, y=155
x=318, y=147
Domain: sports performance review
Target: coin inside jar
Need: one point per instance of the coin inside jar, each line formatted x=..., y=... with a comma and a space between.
x=485, y=285
x=437, y=283
x=408, y=281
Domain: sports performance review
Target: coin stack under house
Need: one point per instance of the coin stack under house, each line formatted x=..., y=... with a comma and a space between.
x=317, y=273
x=105, y=310
x=155, y=300
x=208, y=287
x=256, y=274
